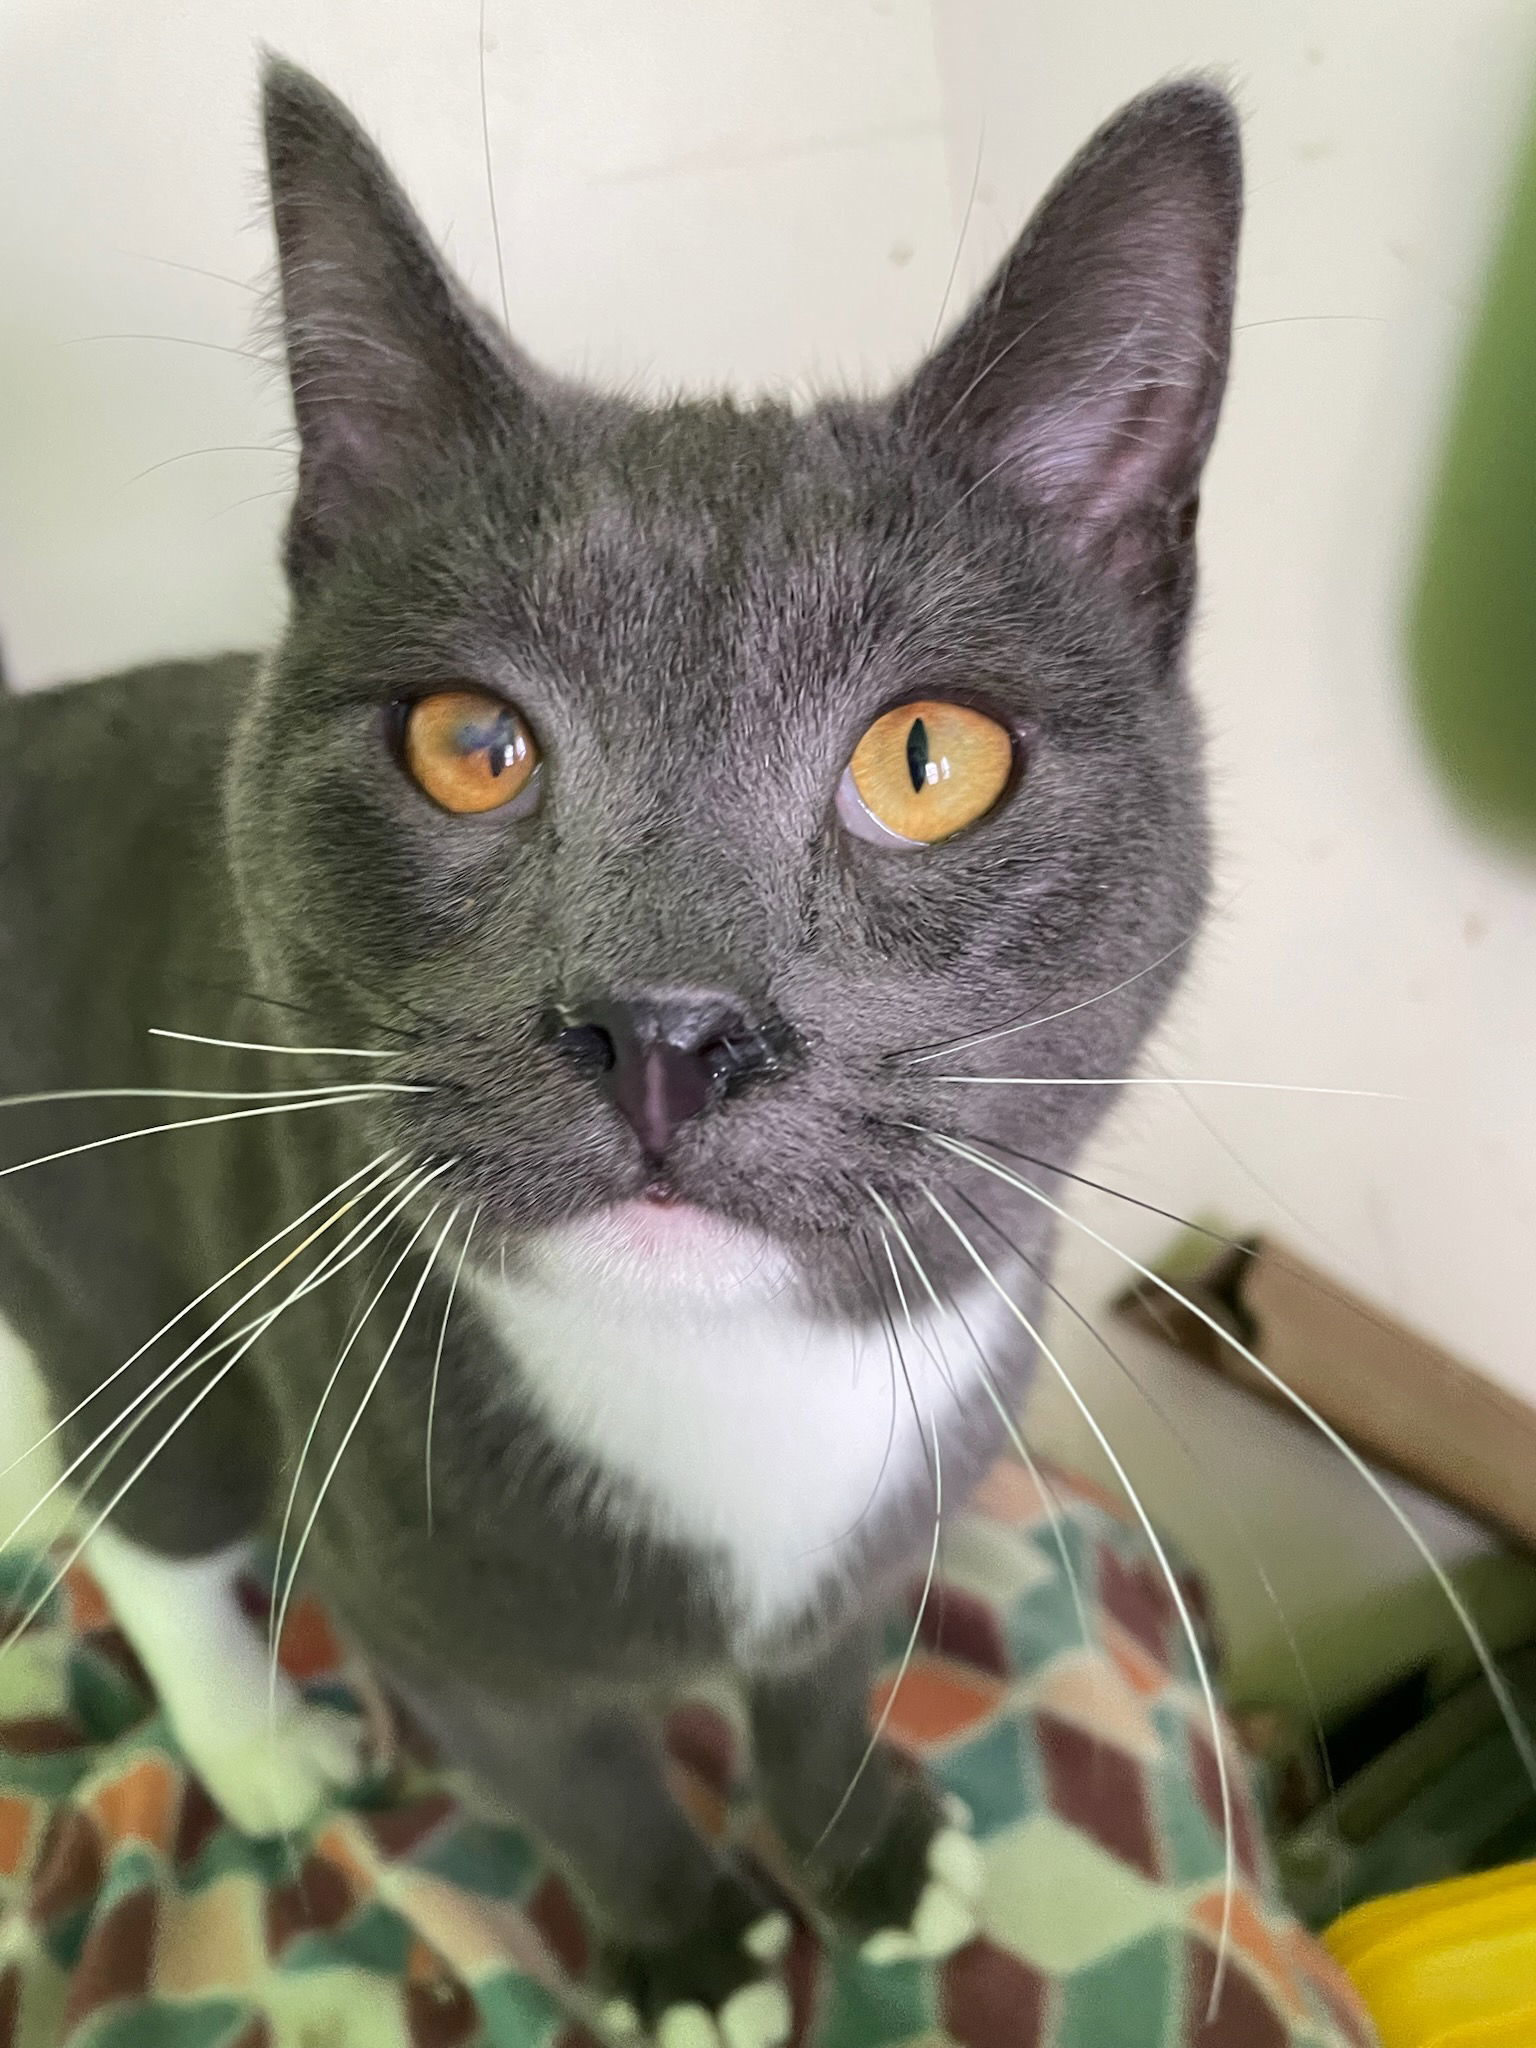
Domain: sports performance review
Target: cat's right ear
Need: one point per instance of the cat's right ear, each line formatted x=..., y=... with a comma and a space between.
x=395, y=374
x=1088, y=378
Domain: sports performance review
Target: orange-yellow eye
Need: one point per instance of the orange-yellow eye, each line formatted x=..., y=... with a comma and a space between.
x=923, y=771
x=470, y=752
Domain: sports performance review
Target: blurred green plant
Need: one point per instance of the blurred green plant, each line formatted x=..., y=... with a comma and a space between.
x=1472, y=622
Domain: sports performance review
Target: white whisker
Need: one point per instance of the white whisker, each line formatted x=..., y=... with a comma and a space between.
x=144, y=1464
x=883, y=1313
x=331, y=1099
x=906, y=1311
x=404, y=1202
x=936, y=1471
x=149, y=1399
x=437, y=1361
x=338, y=1088
x=987, y=369
x=1015, y=1434
x=1220, y=1495
x=146, y=1400
x=196, y=1302
x=1497, y=1684
x=98, y=1521
x=490, y=177
x=352, y=1427
x=918, y=1059
x=941, y=1366
x=1156, y=1081
x=1186, y=1619
x=965, y=222
x=330, y=1052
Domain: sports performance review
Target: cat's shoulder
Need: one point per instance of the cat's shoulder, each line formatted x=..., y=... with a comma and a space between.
x=199, y=692
x=121, y=737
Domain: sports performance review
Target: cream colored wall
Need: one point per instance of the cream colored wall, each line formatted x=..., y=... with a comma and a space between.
x=771, y=192
x=688, y=192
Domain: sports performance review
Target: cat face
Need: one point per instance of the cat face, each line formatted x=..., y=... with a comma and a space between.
x=677, y=778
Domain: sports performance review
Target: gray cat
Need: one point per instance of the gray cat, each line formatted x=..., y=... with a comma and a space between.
x=639, y=799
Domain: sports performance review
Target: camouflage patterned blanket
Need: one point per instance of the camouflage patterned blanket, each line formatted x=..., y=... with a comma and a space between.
x=132, y=1916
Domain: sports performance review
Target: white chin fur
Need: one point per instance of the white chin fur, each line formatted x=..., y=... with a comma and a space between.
x=675, y=1351
x=661, y=1254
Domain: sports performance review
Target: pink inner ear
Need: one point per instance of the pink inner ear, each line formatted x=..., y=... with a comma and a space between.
x=1115, y=440
x=1088, y=376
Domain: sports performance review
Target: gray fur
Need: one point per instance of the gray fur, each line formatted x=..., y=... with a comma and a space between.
x=699, y=607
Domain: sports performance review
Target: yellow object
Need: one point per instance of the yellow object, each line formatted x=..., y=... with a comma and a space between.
x=1449, y=1966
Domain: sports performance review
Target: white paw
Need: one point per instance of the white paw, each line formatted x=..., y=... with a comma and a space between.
x=276, y=1773
x=757, y=2016
x=944, y=1918
x=767, y=1939
x=620, y=2018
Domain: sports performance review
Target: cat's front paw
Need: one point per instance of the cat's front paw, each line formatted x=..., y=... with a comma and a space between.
x=716, y=1987
x=915, y=1895
x=271, y=1774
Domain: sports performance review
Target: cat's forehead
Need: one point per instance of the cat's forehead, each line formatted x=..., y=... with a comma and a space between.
x=779, y=556
x=707, y=498
x=713, y=458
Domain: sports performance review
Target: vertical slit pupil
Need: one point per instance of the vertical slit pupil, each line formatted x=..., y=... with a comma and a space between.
x=498, y=743
x=917, y=754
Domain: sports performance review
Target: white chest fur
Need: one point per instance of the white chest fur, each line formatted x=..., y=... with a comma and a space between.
x=739, y=1425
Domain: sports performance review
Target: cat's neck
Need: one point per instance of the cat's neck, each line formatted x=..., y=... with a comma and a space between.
x=749, y=1428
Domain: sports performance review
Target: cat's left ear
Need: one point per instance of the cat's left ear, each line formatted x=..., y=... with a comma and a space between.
x=1088, y=378
x=396, y=375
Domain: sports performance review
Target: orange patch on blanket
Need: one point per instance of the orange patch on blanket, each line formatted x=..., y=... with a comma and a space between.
x=88, y=1611
x=1251, y=1938
x=1009, y=1494
x=1140, y=1671
x=15, y=1834
x=309, y=1648
x=935, y=1702
x=141, y=1805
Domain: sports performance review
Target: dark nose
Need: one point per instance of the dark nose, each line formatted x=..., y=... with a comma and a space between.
x=662, y=1058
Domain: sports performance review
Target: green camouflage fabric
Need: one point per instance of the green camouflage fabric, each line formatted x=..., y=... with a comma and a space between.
x=1050, y=1688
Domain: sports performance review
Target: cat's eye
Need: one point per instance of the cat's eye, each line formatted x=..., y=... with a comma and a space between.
x=923, y=772
x=470, y=752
